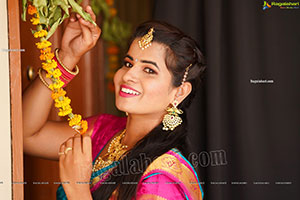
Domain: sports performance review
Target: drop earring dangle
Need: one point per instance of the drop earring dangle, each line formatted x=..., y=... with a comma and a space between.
x=172, y=119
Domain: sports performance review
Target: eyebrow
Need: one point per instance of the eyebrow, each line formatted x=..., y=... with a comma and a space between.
x=128, y=56
x=144, y=61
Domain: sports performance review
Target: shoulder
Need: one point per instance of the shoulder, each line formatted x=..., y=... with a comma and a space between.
x=105, y=121
x=172, y=172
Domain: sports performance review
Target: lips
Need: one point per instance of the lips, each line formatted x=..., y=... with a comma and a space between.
x=126, y=91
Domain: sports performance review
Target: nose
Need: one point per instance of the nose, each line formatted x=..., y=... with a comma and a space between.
x=131, y=75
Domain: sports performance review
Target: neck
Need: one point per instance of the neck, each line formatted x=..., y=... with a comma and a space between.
x=138, y=126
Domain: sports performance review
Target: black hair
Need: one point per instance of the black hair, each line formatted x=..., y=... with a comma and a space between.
x=181, y=51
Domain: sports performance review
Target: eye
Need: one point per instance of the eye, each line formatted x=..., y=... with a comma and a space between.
x=149, y=71
x=127, y=64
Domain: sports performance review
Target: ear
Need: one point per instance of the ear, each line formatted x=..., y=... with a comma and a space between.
x=183, y=91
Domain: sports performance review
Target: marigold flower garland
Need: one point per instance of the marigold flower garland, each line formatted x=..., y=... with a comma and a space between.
x=62, y=102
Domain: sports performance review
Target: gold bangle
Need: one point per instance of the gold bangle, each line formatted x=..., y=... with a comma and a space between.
x=42, y=79
x=65, y=68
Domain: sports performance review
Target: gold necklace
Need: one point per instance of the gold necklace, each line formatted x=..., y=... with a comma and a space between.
x=114, y=152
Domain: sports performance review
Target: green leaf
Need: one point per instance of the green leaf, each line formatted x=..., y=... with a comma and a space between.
x=52, y=29
x=33, y=31
x=63, y=4
x=63, y=18
x=43, y=20
x=45, y=10
x=41, y=11
x=24, y=9
x=78, y=9
x=55, y=15
x=39, y=3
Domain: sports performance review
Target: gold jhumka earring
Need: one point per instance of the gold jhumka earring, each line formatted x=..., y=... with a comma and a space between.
x=171, y=120
x=146, y=40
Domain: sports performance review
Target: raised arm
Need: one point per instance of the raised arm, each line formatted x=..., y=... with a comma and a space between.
x=41, y=137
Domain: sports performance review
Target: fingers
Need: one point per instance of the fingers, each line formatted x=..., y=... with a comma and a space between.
x=66, y=148
x=95, y=30
x=73, y=17
x=85, y=27
x=89, y=10
x=86, y=144
x=61, y=152
x=69, y=144
x=77, y=147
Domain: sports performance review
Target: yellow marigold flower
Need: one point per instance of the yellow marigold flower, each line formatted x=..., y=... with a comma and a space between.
x=75, y=120
x=66, y=111
x=62, y=103
x=49, y=56
x=54, y=74
x=84, y=126
x=48, y=75
x=58, y=84
x=46, y=56
x=31, y=10
x=59, y=93
x=52, y=63
x=48, y=66
x=40, y=33
x=35, y=21
x=42, y=57
x=43, y=44
x=46, y=50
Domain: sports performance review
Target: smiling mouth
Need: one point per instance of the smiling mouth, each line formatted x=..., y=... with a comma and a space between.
x=126, y=92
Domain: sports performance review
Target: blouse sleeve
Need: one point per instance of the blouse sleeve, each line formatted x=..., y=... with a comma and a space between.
x=159, y=187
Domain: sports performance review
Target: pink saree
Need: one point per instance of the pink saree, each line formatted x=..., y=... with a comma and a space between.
x=170, y=176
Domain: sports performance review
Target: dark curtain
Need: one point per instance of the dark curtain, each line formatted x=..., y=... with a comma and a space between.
x=245, y=120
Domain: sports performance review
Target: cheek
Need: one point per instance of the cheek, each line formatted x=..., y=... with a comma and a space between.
x=117, y=77
x=159, y=92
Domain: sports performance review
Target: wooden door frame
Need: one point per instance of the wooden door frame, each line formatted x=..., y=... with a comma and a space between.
x=16, y=99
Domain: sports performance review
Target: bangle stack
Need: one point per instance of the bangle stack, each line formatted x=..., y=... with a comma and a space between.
x=66, y=74
x=42, y=79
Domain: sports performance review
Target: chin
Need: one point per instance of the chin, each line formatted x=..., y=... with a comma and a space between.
x=121, y=106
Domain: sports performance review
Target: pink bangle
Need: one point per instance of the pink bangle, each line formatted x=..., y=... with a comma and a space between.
x=63, y=71
x=67, y=75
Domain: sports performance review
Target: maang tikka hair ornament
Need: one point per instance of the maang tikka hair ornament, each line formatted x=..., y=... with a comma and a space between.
x=146, y=40
x=171, y=119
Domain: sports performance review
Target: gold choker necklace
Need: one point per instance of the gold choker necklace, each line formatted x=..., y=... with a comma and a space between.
x=114, y=153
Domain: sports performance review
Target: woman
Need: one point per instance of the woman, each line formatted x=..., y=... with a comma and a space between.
x=142, y=156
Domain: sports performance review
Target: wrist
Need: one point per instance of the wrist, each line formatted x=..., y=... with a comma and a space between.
x=79, y=193
x=67, y=59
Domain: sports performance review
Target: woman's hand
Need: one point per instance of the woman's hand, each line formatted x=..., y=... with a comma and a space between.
x=75, y=166
x=79, y=37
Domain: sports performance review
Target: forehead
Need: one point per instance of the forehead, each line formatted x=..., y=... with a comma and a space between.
x=155, y=52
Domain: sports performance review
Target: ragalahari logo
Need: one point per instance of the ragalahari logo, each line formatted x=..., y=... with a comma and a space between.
x=281, y=5
x=266, y=5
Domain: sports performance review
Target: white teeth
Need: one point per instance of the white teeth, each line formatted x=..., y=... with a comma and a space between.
x=129, y=91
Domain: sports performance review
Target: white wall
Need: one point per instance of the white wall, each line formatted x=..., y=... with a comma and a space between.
x=5, y=135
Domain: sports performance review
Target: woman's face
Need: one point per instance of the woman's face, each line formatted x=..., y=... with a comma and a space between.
x=143, y=83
